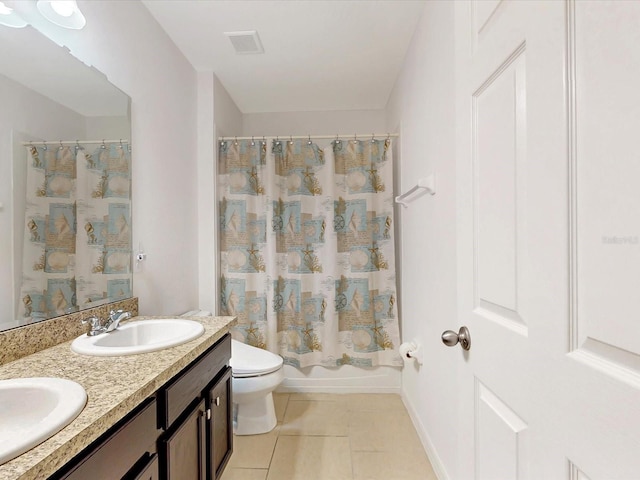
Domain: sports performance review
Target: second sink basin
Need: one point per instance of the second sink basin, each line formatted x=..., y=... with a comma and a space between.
x=139, y=337
x=34, y=409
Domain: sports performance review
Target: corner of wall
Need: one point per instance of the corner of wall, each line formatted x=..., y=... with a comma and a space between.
x=422, y=103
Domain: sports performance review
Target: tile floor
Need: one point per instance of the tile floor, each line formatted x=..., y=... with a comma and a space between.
x=333, y=437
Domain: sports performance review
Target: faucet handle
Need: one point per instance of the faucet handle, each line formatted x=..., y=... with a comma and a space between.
x=113, y=314
x=96, y=325
x=93, y=321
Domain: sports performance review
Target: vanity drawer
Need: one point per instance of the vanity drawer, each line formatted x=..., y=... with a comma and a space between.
x=113, y=455
x=188, y=385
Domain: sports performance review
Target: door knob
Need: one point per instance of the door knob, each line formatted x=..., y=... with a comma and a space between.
x=451, y=338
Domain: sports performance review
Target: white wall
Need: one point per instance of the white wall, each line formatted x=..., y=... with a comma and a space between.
x=226, y=115
x=25, y=115
x=343, y=122
x=422, y=105
x=110, y=128
x=123, y=40
x=218, y=115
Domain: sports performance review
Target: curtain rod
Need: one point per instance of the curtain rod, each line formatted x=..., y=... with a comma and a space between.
x=312, y=137
x=73, y=142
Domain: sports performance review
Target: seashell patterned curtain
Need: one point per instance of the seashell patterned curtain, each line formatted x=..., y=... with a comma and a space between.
x=307, y=249
x=77, y=238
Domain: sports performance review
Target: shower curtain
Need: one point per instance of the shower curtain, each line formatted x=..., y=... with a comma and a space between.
x=307, y=249
x=77, y=237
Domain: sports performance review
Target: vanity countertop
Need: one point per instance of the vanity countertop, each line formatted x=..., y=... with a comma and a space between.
x=114, y=386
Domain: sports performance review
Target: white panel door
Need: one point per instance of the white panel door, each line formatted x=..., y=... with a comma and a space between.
x=548, y=116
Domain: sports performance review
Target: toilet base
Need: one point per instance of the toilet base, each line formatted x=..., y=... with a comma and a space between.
x=253, y=418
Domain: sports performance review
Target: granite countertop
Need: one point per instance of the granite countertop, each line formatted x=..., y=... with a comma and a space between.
x=114, y=386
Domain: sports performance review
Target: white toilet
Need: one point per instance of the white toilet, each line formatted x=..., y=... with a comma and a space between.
x=255, y=375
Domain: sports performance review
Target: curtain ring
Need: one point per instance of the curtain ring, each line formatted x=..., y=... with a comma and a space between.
x=373, y=140
x=236, y=142
x=103, y=145
x=290, y=140
x=222, y=141
x=77, y=145
x=264, y=140
x=277, y=140
x=121, y=147
x=252, y=142
x=309, y=142
x=337, y=139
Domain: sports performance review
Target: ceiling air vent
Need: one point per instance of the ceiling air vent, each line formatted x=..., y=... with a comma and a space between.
x=245, y=42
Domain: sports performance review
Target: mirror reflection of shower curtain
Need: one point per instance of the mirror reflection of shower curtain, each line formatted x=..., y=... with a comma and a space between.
x=307, y=249
x=77, y=239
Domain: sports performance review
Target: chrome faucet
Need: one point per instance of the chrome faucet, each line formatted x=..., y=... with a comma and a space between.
x=115, y=317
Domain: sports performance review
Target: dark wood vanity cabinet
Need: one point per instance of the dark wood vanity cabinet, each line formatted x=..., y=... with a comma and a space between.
x=183, y=432
x=199, y=444
x=195, y=409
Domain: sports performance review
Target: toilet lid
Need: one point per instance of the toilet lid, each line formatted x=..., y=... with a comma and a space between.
x=248, y=361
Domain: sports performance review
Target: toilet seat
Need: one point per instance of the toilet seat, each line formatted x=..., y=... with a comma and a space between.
x=247, y=361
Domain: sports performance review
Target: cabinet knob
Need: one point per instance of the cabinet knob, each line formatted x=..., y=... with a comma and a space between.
x=208, y=414
x=217, y=401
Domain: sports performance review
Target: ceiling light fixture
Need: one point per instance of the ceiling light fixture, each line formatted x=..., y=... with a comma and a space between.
x=10, y=18
x=64, y=13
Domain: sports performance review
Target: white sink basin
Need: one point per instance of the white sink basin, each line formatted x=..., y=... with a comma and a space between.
x=139, y=337
x=34, y=409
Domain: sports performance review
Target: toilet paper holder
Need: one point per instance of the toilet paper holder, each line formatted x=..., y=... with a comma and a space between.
x=411, y=351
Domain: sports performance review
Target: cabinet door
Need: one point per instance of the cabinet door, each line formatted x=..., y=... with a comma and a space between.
x=184, y=449
x=219, y=403
x=149, y=471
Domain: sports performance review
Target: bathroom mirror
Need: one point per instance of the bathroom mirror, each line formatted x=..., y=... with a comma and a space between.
x=65, y=157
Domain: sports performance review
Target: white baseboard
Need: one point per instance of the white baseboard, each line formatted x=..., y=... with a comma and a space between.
x=436, y=463
x=346, y=379
x=295, y=387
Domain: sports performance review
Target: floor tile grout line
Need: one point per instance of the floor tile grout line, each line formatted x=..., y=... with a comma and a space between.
x=353, y=473
x=273, y=452
x=350, y=407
